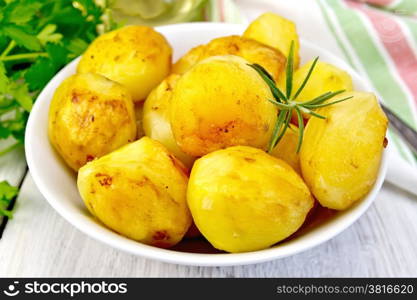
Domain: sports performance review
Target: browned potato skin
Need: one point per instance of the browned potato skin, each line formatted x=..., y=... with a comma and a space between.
x=136, y=56
x=340, y=156
x=138, y=191
x=221, y=102
x=254, y=52
x=90, y=116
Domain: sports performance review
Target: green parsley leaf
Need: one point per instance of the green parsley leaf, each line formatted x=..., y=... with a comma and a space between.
x=20, y=92
x=22, y=38
x=4, y=132
x=77, y=46
x=15, y=124
x=48, y=35
x=20, y=12
x=38, y=38
x=40, y=73
x=7, y=193
x=58, y=54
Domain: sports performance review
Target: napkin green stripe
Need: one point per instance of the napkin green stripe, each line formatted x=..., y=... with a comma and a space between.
x=336, y=36
x=224, y=11
x=230, y=12
x=408, y=7
x=373, y=63
x=412, y=26
x=402, y=7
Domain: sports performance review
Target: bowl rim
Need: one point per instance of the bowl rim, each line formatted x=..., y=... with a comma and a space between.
x=187, y=258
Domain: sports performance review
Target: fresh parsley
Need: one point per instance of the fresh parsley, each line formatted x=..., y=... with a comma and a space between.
x=38, y=38
x=7, y=193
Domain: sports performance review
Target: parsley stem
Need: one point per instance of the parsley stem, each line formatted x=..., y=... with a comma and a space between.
x=10, y=148
x=23, y=56
x=9, y=48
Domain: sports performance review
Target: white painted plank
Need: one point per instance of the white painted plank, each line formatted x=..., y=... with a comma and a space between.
x=38, y=242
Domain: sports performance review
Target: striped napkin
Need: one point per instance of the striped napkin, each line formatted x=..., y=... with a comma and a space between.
x=378, y=38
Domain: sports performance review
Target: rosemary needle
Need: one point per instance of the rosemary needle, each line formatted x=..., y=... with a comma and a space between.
x=287, y=103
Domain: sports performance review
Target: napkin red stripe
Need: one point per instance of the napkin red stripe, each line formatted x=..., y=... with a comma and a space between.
x=379, y=2
x=395, y=42
x=221, y=10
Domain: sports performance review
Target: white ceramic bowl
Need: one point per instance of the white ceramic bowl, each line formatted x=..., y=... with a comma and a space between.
x=58, y=184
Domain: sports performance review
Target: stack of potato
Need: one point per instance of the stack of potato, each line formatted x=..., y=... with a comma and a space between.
x=159, y=146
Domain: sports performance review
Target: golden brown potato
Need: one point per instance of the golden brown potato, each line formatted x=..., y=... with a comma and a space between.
x=254, y=52
x=156, y=118
x=138, y=191
x=243, y=199
x=221, y=102
x=325, y=78
x=286, y=149
x=90, y=116
x=275, y=31
x=136, y=56
x=340, y=155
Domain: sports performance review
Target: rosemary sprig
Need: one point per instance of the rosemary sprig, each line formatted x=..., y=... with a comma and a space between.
x=287, y=103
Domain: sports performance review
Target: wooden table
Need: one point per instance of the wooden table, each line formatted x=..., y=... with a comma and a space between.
x=39, y=242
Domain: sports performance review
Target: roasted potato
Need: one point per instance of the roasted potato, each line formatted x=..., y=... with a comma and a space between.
x=221, y=102
x=138, y=191
x=286, y=149
x=275, y=31
x=156, y=123
x=136, y=56
x=254, y=52
x=90, y=116
x=341, y=154
x=325, y=78
x=243, y=199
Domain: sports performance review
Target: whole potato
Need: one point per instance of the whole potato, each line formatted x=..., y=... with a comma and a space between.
x=138, y=191
x=254, y=52
x=90, y=116
x=286, y=149
x=136, y=56
x=275, y=31
x=341, y=154
x=156, y=118
x=243, y=199
x=325, y=78
x=221, y=102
